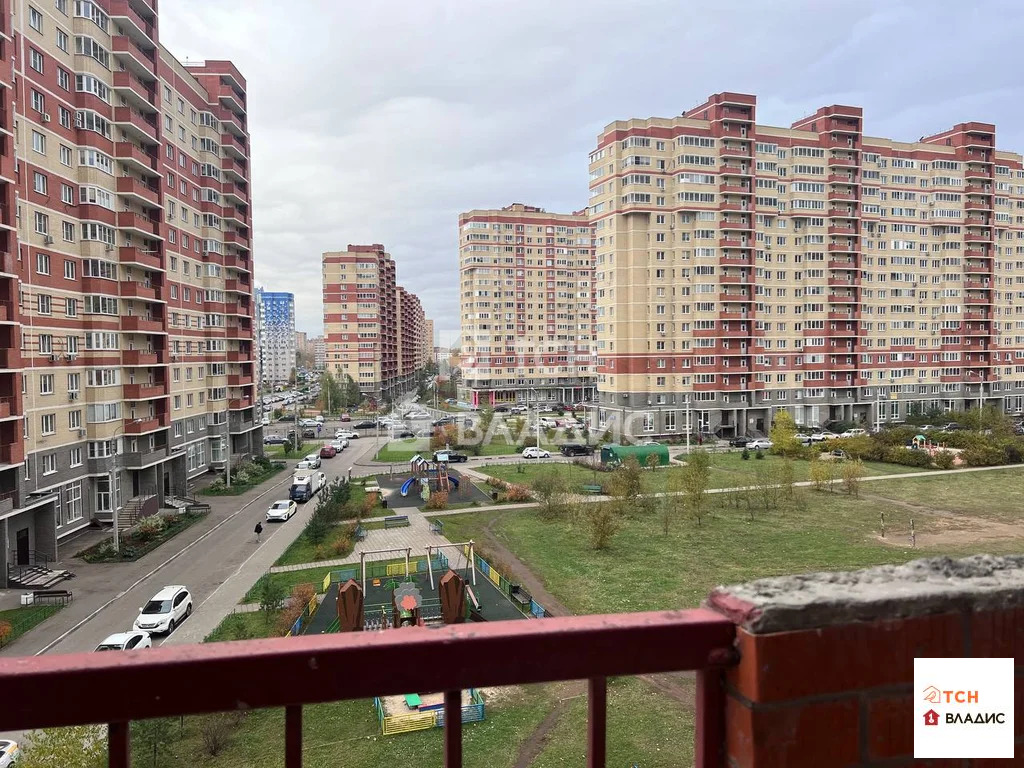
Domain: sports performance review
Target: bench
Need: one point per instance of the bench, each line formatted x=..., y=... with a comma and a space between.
x=396, y=521
x=437, y=526
x=52, y=596
x=520, y=595
x=360, y=533
x=597, y=490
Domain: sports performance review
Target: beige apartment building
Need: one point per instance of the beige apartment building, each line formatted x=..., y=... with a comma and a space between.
x=526, y=296
x=744, y=268
x=131, y=245
x=373, y=328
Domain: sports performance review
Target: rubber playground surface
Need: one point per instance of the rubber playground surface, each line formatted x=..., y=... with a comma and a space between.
x=392, y=488
x=494, y=605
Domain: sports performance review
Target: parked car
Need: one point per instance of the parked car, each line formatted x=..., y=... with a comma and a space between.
x=443, y=421
x=452, y=457
x=532, y=452
x=365, y=425
x=339, y=446
x=835, y=455
x=501, y=409
x=275, y=440
x=854, y=433
x=319, y=419
x=314, y=460
x=952, y=427
x=125, y=641
x=281, y=511
x=576, y=449
x=802, y=438
x=165, y=610
x=346, y=417
x=761, y=443
x=10, y=753
x=739, y=441
x=309, y=433
x=819, y=437
x=405, y=433
x=451, y=401
x=308, y=423
x=346, y=434
x=328, y=452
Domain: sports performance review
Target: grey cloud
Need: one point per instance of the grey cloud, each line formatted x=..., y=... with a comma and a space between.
x=380, y=122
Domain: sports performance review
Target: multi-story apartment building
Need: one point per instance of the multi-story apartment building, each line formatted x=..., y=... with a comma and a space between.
x=410, y=332
x=526, y=293
x=277, y=336
x=302, y=346
x=126, y=359
x=744, y=268
x=428, y=342
x=360, y=323
x=319, y=344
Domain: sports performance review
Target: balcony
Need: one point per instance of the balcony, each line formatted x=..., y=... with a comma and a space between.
x=733, y=242
x=230, y=120
x=138, y=357
x=743, y=152
x=143, y=391
x=139, y=459
x=835, y=194
x=842, y=213
x=848, y=315
x=842, y=247
x=132, y=22
x=976, y=268
x=136, y=289
x=135, y=123
x=133, y=187
x=136, y=60
x=841, y=142
x=233, y=168
x=976, y=314
x=12, y=454
x=239, y=380
x=847, y=162
x=235, y=192
x=841, y=263
x=136, y=158
x=728, y=169
x=135, y=92
x=142, y=426
x=147, y=259
x=231, y=143
x=136, y=324
x=236, y=239
x=734, y=189
x=727, y=259
x=971, y=237
x=851, y=231
x=841, y=298
x=735, y=225
x=138, y=223
x=237, y=286
x=238, y=404
x=237, y=261
x=977, y=299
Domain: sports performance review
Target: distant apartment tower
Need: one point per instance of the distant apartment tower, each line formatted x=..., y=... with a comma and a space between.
x=126, y=332
x=319, y=353
x=360, y=323
x=410, y=330
x=743, y=269
x=428, y=355
x=277, y=336
x=302, y=346
x=527, y=299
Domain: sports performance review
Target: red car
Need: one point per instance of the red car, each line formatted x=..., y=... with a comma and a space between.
x=346, y=417
x=328, y=452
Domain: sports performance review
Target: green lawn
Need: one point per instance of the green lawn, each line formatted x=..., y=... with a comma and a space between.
x=728, y=470
x=21, y=620
x=991, y=494
x=243, y=626
x=302, y=550
x=289, y=579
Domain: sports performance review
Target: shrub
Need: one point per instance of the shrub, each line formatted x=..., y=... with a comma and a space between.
x=215, y=732
x=438, y=500
x=343, y=545
x=909, y=458
x=516, y=493
x=745, y=454
x=528, y=442
x=150, y=527
x=495, y=482
x=759, y=454
x=5, y=631
x=943, y=459
x=983, y=456
x=301, y=595
x=319, y=552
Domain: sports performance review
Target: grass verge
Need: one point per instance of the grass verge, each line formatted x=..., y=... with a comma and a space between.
x=132, y=547
x=18, y=621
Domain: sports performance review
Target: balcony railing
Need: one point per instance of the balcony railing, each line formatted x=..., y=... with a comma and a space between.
x=293, y=672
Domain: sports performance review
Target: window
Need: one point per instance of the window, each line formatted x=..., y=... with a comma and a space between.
x=45, y=344
x=44, y=304
x=76, y=456
x=46, y=384
x=68, y=231
x=63, y=79
x=39, y=142
x=62, y=6
x=35, y=60
x=65, y=154
x=71, y=308
x=67, y=194
x=39, y=182
x=89, y=47
x=74, y=419
x=90, y=84
x=62, y=40
x=73, y=503
x=64, y=115
x=48, y=423
x=42, y=223
x=49, y=460
x=42, y=263
x=70, y=269
x=35, y=19
x=96, y=159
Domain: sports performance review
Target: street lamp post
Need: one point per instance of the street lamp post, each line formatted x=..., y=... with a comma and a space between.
x=689, y=425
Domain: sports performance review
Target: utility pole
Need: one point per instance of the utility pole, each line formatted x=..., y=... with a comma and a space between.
x=225, y=446
x=689, y=425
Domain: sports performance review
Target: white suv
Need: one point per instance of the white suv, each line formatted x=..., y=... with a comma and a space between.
x=168, y=608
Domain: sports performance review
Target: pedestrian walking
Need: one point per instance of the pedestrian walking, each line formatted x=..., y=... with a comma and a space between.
x=258, y=530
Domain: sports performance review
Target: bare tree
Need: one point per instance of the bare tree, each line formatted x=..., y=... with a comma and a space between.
x=695, y=481
x=853, y=471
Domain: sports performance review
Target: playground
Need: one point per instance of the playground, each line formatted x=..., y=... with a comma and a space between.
x=406, y=490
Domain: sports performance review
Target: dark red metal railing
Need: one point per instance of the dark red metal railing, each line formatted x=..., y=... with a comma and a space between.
x=291, y=672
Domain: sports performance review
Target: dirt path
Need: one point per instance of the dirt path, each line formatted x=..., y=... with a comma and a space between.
x=954, y=528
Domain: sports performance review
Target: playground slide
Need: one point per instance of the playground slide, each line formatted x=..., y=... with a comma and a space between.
x=407, y=485
x=454, y=481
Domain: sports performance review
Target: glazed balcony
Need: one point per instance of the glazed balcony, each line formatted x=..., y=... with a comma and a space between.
x=147, y=259
x=138, y=189
x=136, y=157
x=136, y=123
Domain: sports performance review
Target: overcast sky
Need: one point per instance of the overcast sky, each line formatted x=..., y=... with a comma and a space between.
x=379, y=122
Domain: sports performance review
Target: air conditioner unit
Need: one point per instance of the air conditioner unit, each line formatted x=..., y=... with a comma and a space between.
x=46, y=117
x=54, y=358
x=48, y=239
x=72, y=356
x=81, y=433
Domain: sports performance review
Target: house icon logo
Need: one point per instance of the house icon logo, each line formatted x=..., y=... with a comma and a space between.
x=931, y=717
x=932, y=695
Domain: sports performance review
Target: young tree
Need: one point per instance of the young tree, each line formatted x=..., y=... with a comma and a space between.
x=332, y=394
x=853, y=471
x=626, y=488
x=783, y=435
x=271, y=594
x=766, y=487
x=787, y=477
x=603, y=522
x=352, y=396
x=549, y=488
x=822, y=474
x=695, y=478
x=151, y=739
x=83, y=746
